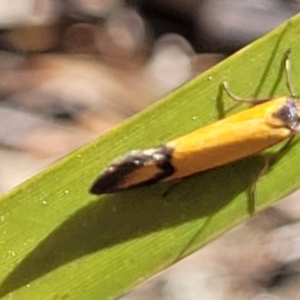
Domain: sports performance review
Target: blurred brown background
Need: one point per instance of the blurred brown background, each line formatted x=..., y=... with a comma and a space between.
x=73, y=69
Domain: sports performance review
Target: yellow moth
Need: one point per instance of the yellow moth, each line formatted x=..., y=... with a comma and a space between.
x=243, y=134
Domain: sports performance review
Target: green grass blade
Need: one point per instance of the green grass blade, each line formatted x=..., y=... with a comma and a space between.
x=59, y=242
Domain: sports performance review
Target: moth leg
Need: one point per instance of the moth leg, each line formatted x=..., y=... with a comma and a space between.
x=271, y=159
x=171, y=188
x=252, y=101
x=287, y=71
x=287, y=68
x=252, y=190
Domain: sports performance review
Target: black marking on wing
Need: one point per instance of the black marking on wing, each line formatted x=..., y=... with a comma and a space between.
x=111, y=179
